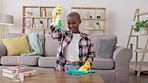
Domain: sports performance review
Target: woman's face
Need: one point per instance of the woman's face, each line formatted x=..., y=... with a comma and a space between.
x=73, y=24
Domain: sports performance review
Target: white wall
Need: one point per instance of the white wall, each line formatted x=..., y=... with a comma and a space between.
x=1, y=5
x=119, y=12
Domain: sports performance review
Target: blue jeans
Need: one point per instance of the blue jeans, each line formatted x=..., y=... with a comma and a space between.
x=71, y=66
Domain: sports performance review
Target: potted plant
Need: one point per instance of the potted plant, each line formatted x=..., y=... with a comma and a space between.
x=141, y=26
x=41, y=25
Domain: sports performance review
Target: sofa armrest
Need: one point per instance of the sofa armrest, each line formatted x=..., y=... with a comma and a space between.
x=122, y=57
x=2, y=50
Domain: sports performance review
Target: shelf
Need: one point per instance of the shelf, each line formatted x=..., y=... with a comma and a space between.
x=37, y=28
x=138, y=66
x=135, y=67
x=41, y=18
x=142, y=13
x=140, y=50
x=134, y=35
x=33, y=15
x=38, y=6
x=100, y=8
x=90, y=16
x=30, y=6
x=27, y=17
x=137, y=35
x=94, y=29
x=47, y=7
x=93, y=19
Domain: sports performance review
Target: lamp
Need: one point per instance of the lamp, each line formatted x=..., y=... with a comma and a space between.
x=6, y=20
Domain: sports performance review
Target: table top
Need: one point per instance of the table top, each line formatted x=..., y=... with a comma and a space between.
x=47, y=75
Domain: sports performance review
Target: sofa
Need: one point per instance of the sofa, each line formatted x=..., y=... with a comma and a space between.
x=113, y=68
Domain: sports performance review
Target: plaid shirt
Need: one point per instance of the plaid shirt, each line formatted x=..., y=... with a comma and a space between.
x=65, y=37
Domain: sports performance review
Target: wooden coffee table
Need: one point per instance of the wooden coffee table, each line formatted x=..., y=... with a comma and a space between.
x=48, y=75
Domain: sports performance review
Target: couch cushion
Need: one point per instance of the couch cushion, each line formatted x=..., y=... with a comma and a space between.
x=103, y=63
x=42, y=39
x=14, y=35
x=13, y=45
x=51, y=46
x=47, y=62
x=3, y=51
x=104, y=45
x=26, y=60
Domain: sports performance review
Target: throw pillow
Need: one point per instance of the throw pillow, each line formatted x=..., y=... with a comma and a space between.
x=16, y=46
x=106, y=46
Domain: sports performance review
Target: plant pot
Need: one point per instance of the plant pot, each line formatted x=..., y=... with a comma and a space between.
x=143, y=31
x=136, y=33
x=41, y=25
x=99, y=26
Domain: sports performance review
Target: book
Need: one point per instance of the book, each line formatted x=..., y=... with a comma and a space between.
x=29, y=73
x=9, y=75
x=15, y=69
x=26, y=73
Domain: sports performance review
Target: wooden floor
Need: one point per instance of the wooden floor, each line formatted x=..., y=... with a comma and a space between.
x=143, y=78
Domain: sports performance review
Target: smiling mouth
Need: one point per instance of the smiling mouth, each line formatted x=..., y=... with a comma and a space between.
x=72, y=29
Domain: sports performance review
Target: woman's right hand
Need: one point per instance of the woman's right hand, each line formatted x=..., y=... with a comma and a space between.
x=55, y=12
